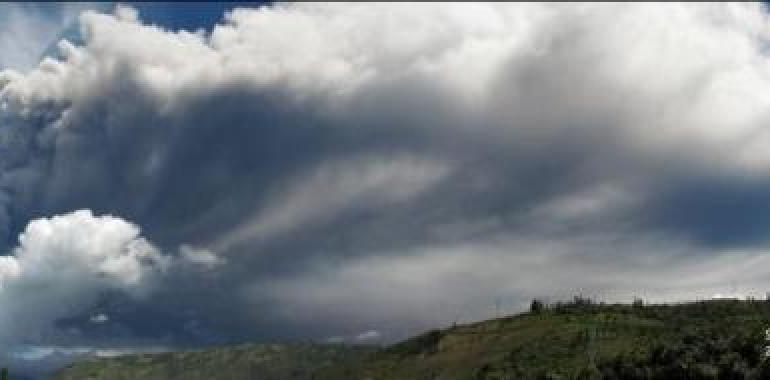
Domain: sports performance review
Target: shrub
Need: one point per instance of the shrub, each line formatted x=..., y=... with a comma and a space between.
x=537, y=306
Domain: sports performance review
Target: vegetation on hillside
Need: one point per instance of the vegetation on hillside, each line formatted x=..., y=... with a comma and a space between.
x=249, y=361
x=718, y=339
x=581, y=339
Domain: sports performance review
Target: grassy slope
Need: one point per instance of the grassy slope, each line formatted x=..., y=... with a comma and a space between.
x=715, y=339
x=250, y=361
x=705, y=340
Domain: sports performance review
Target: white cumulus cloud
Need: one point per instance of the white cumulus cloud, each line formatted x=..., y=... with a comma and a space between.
x=64, y=263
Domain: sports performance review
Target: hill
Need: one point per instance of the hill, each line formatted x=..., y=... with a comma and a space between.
x=577, y=340
x=248, y=361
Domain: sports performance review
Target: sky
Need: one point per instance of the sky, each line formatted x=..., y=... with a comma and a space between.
x=176, y=176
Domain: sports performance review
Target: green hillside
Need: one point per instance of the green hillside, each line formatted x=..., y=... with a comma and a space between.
x=249, y=361
x=577, y=340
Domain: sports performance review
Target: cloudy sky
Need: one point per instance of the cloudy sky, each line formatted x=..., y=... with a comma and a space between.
x=188, y=175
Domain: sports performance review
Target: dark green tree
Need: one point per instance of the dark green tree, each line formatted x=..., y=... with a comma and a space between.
x=537, y=306
x=4, y=374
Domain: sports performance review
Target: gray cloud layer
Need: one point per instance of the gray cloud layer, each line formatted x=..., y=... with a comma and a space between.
x=389, y=167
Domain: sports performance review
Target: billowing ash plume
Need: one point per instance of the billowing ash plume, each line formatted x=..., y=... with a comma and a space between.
x=332, y=169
